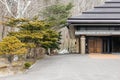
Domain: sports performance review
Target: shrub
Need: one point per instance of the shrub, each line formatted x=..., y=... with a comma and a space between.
x=11, y=46
x=27, y=65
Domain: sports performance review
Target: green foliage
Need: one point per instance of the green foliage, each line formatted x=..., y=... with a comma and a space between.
x=12, y=22
x=30, y=31
x=57, y=14
x=51, y=39
x=34, y=33
x=27, y=65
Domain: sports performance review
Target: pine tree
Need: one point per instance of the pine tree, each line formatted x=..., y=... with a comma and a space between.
x=11, y=46
x=35, y=33
x=57, y=15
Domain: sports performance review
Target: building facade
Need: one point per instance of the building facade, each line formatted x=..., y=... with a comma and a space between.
x=97, y=30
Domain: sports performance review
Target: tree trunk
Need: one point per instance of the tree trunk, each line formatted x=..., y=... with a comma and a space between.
x=48, y=51
x=28, y=55
x=35, y=53
x=3, y=31
x=10, y=58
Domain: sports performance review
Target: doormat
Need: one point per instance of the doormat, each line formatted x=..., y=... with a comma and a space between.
x=104, y=56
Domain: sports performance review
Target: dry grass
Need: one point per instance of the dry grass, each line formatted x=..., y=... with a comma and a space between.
x=16, y=67
x=7, y=69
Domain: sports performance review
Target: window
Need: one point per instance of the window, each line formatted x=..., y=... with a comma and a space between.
x=80, y=28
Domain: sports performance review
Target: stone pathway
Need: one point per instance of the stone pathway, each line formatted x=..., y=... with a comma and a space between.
x=72, y=67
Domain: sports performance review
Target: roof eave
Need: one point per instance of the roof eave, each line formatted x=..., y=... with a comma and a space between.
x=93, y=21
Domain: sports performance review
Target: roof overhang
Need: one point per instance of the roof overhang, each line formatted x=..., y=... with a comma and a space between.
x=94, y=22
x=106, y=14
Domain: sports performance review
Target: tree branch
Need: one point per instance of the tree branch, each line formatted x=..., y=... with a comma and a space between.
x=18, y=9
x=7, y=6
x=28, y=3
x=2, y=2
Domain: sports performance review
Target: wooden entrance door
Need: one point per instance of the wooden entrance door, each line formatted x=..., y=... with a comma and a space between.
x=95, y=45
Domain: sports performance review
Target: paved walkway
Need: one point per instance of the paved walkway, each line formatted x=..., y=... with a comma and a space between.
x=72, y=67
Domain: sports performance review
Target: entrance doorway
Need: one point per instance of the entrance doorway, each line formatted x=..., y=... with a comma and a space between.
x=101, y=44
x=116, y=44
x=94, y=45
x=107, y=45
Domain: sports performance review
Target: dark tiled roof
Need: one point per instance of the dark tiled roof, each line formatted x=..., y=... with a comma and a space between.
x=109, y=12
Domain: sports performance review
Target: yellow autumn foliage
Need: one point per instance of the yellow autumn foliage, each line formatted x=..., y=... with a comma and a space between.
x=12, y=45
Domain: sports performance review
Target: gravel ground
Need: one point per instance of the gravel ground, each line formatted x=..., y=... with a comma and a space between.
x=73, y=67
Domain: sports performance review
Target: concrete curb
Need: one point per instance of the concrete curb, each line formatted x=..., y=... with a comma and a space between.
x=33, y=65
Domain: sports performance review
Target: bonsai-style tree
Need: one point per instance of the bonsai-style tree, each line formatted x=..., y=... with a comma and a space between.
x=33, y=31
x=11, y=46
